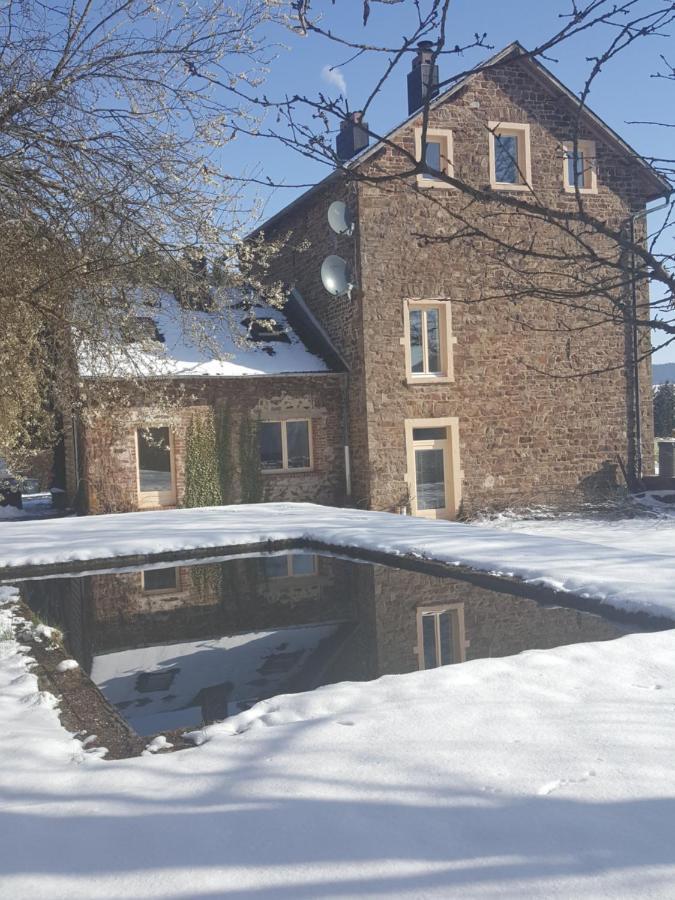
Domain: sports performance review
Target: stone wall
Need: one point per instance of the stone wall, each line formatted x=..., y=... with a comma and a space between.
x=109, y=445
x=306, y=240
x=494, y=624
x=525, y=436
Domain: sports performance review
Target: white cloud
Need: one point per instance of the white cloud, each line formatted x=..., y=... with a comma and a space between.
x=336, y=78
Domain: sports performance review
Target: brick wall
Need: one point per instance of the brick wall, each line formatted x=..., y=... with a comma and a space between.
x=109, y=448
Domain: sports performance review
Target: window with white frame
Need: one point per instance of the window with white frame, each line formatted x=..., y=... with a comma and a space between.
x=428, y=341
x=285, y=445
x=579, y=168
x=437, y=155
x=440, y=635
x=510, y=156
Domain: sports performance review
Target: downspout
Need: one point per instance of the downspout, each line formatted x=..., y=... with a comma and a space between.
x=637, y=405
x=345, y=436
x=76, y=455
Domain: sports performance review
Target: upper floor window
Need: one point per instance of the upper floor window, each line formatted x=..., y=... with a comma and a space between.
x=579, y=169
x=437, y=155
x=285, y=445
x=510, y=156
x=428, y=341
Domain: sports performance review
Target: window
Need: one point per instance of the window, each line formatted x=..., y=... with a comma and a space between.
x=428, y=341
x=154, y=454
x=579, y=168
x=160, y=580
x=509, y=156
x=285, y=445
x=433, y=476
x=437, y=155
x=289, y=565
x=440, y=635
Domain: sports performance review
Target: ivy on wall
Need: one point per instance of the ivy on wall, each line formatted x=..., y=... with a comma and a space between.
x=209, y=465
x=202, y=476
x=223, y=426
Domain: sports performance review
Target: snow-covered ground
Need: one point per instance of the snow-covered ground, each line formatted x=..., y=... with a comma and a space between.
x=636, y=573
x=548, y=774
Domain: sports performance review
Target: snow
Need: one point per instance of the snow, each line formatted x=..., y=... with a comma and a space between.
x=67, y=665
x=544, y=775
x=185, y=353
x=628, y=564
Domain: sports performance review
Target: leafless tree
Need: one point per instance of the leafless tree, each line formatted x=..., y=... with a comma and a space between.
x=109, y=183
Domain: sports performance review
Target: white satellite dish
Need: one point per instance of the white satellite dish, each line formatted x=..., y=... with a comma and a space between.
x=335, y=276
x=340, y=218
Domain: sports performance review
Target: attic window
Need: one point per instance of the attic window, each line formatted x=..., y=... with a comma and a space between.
x=510, y=156
x=579, y=172
x=142, y=328
x=437, y=156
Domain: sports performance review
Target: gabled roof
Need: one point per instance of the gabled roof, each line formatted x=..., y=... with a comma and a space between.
x=190, y=343
x=514, y=51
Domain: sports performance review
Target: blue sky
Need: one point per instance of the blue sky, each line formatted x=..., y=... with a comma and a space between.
x=623, y=92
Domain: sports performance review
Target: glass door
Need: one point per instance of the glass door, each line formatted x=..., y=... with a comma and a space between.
x=430, y=449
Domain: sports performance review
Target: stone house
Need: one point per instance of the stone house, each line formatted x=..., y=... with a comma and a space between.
x=431, y=394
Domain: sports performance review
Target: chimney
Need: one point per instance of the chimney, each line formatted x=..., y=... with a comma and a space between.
x=353, y=136
x=422, y=78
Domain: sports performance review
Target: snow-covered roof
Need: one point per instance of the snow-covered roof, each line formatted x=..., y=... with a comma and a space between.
x=238, y=340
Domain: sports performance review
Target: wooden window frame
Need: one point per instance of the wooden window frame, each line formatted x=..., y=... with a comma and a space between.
x=458, y=636
x=453, y=473
x=522, y=134
x=589, y=151
x=447, y=341
x=443, y=136
x=156, y=499
x=285, y=470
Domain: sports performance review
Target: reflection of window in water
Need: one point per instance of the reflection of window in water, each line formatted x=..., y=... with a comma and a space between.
x=440, y=635
x=289, y=565
x=160, y=579
x=148, y=682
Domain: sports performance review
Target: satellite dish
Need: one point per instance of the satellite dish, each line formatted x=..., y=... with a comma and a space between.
x=335, y=276
x=340, y=218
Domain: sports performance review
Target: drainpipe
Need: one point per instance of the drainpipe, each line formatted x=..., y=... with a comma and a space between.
x=345, y=437
x=643, y=213
x=76, y=455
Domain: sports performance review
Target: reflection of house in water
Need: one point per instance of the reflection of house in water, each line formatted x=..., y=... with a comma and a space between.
x=177, y=646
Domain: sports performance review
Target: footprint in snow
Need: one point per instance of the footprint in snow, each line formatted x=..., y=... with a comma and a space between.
x=552, y=786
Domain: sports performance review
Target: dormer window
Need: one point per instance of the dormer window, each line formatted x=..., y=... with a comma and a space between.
x=510, y=156
x=437, y=156
x=579, y=168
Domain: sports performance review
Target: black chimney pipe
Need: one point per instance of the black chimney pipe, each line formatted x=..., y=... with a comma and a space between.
x=353, y=136
x=422, y=78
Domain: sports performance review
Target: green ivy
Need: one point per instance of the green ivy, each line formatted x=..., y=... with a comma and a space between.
x=223, y=425
x=202, y=477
